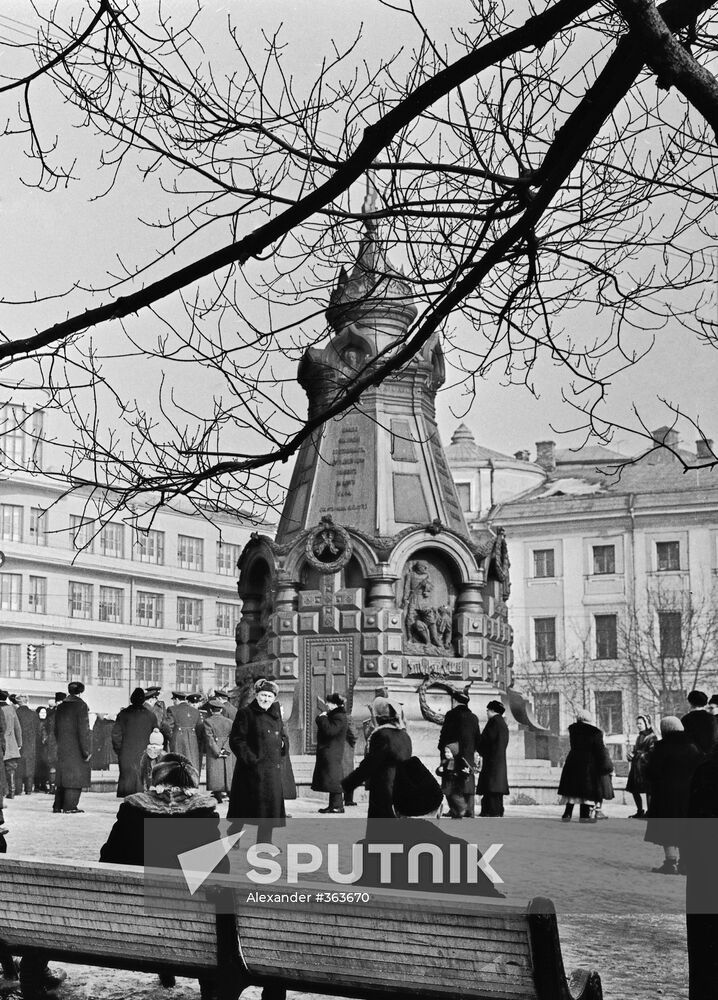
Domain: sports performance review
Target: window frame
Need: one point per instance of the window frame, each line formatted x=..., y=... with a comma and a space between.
x=552, y=635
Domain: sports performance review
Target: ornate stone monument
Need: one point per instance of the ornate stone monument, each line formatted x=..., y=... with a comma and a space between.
x=373, y=583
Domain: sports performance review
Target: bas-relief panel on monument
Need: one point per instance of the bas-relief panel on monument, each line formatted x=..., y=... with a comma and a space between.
x=427, y=594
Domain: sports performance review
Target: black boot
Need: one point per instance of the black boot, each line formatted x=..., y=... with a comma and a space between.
x=10, y=775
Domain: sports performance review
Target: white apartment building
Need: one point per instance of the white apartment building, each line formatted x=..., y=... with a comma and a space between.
x=114, y=608
x=613, y=599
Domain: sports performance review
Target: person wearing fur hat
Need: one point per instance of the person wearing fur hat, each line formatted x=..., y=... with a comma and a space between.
x=173, y=795
x=585, y=764
x=130, y=735
x=670, y=768
x=258, y=741
x=74, y=749
x=220, y=760
x=459, y=749
x=637, y=782
x=493, y=778
x=389, y=744
x=699, y=861
x=331, y=740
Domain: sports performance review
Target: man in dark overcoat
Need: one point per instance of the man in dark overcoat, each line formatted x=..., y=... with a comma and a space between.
x=220, y=760
x=493, y=779
x=700, y=725
x=258, y=741
x=130, y=736
x=460, y=729
x=185, y=727
x=331, y=740
x=389, y=744
x=74, y=749
x=30, y=727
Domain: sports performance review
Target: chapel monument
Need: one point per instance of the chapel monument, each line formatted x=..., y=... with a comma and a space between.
x=373, y=583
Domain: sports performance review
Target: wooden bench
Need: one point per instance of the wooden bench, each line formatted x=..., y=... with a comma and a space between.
x=94, y=914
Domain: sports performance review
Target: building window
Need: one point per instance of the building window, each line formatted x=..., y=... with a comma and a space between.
x=545, y=638
x=227, y=558
x=546, y=707
x=10, y=522
x=80, y=600
x=544, y=565
x=13, y=435
x=82, y=534
x=670, y=633
x=224, y=676
x=150, y=610
x=668, y=556
x=110, y=606
x=9, y=659
x=112, y=541
x=604, y=559
x=606, y=637
x=149, y=547
x=463, y=492
x=148, y=671
x=190, y=552
x=79, y=665
x=189, y=675
x=109, y=669
x=227, y=618
x=38, y=526
x=37, y=595
x=10, y=592
x=189, y=614
x=609, y=711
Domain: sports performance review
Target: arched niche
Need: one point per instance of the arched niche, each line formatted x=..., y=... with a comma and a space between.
x=442, y=572
x=353, y=575
x=256, y=590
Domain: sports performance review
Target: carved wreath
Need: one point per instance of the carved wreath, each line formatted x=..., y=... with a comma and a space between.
x=328, y=547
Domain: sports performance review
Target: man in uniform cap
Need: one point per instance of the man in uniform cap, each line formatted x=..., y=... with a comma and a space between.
x=158, y=708
x=185, y=728
x=74, y=749
x=228, y=709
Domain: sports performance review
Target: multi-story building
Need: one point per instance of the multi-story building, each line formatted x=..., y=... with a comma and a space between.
x=116, y=607
x=614, y=564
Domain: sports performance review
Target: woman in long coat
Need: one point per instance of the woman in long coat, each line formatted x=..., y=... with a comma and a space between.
x=389, y=744
x=587, y=761
x=331, y=740
x=220, y=761
x=130, y=736
x=671, y=765
x=258, y=741
x=637, y=781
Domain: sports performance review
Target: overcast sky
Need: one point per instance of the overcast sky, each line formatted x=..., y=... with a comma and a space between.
x=52, y=241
